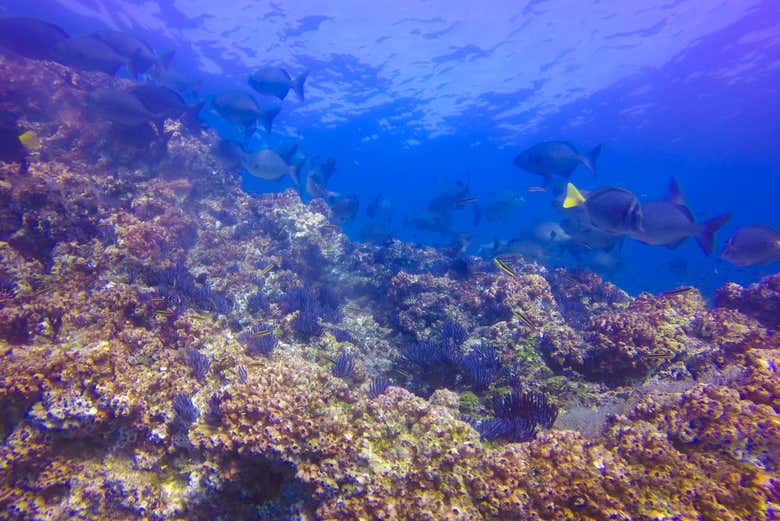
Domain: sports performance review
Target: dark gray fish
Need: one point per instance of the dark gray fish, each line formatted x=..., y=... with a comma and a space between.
x=176, y=80
x=161, y=101
x=448, y=199
x=11, y=148
x=344, y=208
x=318, y=176
x=165, y=103
x=579, y=229
x=89, y=54
x=323, y=170
x=611, y=209
x=316, y=188
x=373, y=207
x=241, y=108
x=275, y=81
x=380, y=208
x=138, y=56
x=376, y=233
x=30, y=37
x=120, y=108
x=753, y=245
x=439, y=222
x=670, y=222
x=556, y=158
x=502, y=208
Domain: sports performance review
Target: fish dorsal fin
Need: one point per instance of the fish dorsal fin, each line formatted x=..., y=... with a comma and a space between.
x=573, y=197
x=675, y=196
x=687, y=211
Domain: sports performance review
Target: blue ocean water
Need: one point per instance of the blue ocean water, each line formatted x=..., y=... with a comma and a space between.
x=411, y=99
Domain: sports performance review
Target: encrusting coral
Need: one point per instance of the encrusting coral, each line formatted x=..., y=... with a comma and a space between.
x=153, y=368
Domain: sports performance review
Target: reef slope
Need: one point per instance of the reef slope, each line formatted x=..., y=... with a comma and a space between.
x=135, y=385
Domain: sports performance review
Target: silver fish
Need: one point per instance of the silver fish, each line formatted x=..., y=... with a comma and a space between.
x=556, y=158
x=241, y=108
x=267, y=164
x=753, y=245
x=275, y=81
x=670, y=222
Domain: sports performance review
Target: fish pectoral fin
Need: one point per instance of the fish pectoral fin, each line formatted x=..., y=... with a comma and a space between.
x=573, y=197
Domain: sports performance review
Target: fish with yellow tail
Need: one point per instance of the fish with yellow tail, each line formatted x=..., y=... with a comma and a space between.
x=611, y=209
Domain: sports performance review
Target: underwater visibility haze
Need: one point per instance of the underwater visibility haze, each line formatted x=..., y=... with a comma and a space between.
x=389, y=260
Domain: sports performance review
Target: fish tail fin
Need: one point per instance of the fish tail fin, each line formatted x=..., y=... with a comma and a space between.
x=573, y=197
x=298, y=84
x=267, y=118
x=591, y=159
x=295, y=172
x=706, y=237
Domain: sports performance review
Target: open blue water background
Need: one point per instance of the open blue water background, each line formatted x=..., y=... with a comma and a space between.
x=410, y=97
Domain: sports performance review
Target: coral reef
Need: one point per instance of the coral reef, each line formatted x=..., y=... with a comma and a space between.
x=760, y=301
x=176, y=349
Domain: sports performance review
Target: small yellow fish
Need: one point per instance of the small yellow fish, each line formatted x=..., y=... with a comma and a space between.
x=265, y=270
x=353, y=309
x=261, y=333
x=538, y=189
x=503, y=267
x=524, y=319
x=30, y=140
x=158, y=300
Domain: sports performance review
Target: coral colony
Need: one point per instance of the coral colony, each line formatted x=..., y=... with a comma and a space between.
x=176, y=349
